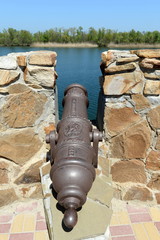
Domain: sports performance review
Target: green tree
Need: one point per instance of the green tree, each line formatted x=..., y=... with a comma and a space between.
x=92, y=35
x=24, y=38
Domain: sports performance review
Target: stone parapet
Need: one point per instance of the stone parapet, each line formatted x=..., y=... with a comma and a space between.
x=130, y=95
x=27, y=97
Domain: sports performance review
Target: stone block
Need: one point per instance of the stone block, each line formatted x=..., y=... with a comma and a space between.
x=147, y=53
x=4, y=179
x=21, y=60
x=124, y=60
x=22, y=110
x=7, y=196
x=158, y=143
x=152, y=87
x=118, y=84
x=145, y=64
x=117, y=120
x=140, y=101
x=3, y=90
x=133, y=143
x=30, y=191
x=43, y=76
x=120, y=68
x=154, y=183
x=129, y=171
x=138, y=193
x=17, y=88
x=137, y=140
x=154, y=117
x=150, y=63
x=35, y=86
x=107, y=57
x=152, y=76
x=8, y=63
x=117, y=147
x=19, y=146
x=43, y=58
x=7, y=77
x=31, y=174
x=157, y=195
x=153, y=161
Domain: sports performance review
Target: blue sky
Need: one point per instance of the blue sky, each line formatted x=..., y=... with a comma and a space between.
x=120, y=15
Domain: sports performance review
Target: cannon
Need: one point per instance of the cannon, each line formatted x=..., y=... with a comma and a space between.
x=74, y=150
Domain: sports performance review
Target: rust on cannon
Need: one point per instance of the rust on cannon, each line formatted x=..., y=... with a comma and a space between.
x=74, y=150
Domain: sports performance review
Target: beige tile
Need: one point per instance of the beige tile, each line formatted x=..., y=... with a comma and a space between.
x=93, y=220
x=151, y=231
x=123, y=218
x=29, y=223
x=155, y=214
x=41, y=236
x=97, y=194
x=140, y=231
x=17, y=225
x=114, y=220
x=4, y=236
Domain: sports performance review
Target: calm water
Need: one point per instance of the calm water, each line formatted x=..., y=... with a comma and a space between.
x=75, y=65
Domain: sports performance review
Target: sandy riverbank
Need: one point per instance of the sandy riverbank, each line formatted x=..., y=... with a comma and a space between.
x=67, y=45
x=133, y=45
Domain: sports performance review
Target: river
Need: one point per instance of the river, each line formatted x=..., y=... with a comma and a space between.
x=74, y=65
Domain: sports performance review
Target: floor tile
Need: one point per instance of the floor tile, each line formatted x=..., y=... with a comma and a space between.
x=125, y=238
x=140, y=232
x=155, y=214
x=40, y=216
x=17, y=225
x=41, y=225
x=41, y=236
x=5, y=218
x=4, y=236
x=140, y=217
x=157, y=224
x=29, y=223
x=26, y=208
x=121, y=230
x=22, y=236
x=123, y=218
x=5, y=228
x=114, y=220
x=134, y=209
x=152, y=231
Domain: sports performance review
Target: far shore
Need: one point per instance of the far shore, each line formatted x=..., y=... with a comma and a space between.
x=133, y=45
x=92, y=45
x=67, y=45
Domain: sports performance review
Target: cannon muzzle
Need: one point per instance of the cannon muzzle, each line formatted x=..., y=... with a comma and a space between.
x=74, y=150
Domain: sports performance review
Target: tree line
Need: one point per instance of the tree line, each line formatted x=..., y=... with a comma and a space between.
x=101, y=37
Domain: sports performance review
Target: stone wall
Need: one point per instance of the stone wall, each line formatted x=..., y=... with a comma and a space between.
x=129, y=101
x=27, y=113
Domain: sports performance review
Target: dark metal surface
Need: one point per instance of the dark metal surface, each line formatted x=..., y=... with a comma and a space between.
x=73, y=156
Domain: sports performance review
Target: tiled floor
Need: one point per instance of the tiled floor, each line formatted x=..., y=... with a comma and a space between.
x=135, y=223
x=23, y=221
x=26, y=221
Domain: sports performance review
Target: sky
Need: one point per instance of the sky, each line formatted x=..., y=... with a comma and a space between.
x=118, y=15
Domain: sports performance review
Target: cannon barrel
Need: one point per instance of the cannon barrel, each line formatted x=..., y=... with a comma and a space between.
x=74, y=150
